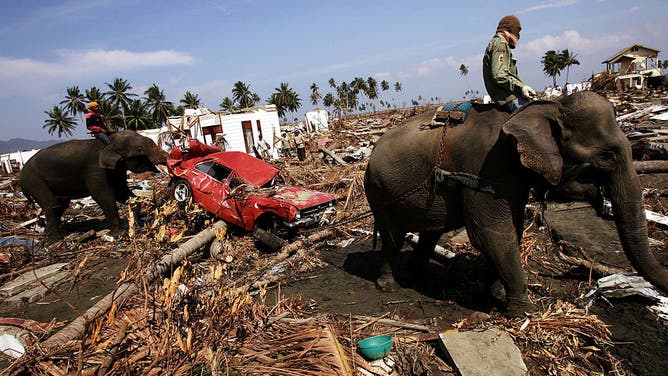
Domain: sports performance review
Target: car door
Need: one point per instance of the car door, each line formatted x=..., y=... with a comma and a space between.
x=211, y=184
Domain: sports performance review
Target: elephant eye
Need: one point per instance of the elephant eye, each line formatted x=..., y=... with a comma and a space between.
x=606, y=160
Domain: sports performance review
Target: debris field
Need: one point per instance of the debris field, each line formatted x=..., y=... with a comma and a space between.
x=183, y=293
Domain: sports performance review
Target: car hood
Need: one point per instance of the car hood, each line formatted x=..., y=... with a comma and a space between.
x=301, y=198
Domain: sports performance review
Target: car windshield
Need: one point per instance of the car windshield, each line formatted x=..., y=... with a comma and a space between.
x=215, y=170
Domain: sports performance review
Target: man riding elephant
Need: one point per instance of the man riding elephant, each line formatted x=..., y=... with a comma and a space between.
x=502, y=81
x=95, y=124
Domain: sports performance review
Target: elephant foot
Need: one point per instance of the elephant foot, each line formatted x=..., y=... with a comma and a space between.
x=386, y=283
x=54, y=238
x=497, y=291
x=117, y=234
x=517, y=308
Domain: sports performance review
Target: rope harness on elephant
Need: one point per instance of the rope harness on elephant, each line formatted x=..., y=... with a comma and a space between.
x=446, y=116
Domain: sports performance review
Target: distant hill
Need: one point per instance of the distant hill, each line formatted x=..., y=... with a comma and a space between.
x=16, y=144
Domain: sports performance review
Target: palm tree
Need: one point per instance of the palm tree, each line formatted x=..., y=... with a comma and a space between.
x=256, y=99
x=59, y=121
x=552, y=65
x=227, y=104
x=242, y=95
x=384, y=85
x=111, y=116
x=138, y=116
x=94, y=95
x=464, y=71
x=328, y=100
x=332, y=83
x=190, y=100
x=118, y=95
x=397, y=86
x=568, y=59
x=285, y=99
x=372, y=90
x=315, y=94
x=358, y=86
x=344, y=95
x=158, y=105
x=74, y=101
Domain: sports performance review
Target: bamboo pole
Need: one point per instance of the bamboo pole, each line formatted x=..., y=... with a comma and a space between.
x=77, y=327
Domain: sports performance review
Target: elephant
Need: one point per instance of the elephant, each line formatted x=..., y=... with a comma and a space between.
x=487, y=167
x=79, y=168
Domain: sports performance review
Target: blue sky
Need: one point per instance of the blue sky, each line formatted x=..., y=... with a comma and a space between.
x=205, y=46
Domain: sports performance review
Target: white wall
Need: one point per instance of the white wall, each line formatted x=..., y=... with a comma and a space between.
x=317, y=119
x=232, y=128
x=21, y=157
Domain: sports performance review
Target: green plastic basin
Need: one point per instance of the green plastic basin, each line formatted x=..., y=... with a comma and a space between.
x=375, y=347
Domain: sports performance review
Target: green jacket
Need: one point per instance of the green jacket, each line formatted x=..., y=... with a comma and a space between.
x=499, y=71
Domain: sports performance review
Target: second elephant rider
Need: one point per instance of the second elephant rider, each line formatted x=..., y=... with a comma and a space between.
x=95, y=124
x=499, y=69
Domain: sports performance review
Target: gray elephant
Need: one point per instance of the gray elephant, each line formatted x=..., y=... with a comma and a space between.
x=488, y=165
x=79, y=168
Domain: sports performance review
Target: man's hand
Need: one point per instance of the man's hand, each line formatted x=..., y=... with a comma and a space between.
x=528, y=92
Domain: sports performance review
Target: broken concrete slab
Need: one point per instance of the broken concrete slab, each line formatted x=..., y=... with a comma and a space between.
x=488, y=352
x=31, y=279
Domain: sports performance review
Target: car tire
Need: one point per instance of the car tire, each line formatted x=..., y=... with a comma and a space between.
x=269, y=240
x=182, y=192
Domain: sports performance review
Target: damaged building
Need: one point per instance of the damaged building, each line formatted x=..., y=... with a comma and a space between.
x=635, y=67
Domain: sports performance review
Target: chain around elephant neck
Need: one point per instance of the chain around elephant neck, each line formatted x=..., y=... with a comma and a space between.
x=442, y=145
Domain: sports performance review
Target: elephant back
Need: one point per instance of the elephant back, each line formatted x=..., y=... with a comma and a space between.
x=74, y=155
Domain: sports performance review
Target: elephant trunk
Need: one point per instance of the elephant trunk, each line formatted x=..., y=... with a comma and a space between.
x=159, y=157
x=628, y=209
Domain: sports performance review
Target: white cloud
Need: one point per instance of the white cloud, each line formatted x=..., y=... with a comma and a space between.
x=548, y=5
x=437, y=66
x=572, y=40
x=78, y=63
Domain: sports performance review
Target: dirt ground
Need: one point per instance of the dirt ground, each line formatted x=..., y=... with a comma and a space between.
x=449, y=292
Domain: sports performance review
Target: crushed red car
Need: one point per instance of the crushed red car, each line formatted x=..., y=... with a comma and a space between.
x=246, y=192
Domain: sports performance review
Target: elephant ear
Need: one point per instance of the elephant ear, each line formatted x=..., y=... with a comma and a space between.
x=534, y=127
x=109, y=158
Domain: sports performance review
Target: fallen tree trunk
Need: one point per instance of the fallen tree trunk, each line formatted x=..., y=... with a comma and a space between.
x=650, y=167
x=594, y=266
x=77, y=327
x=293, y=248
x=334, y=156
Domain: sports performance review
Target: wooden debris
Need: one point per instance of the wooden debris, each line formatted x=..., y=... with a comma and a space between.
x=16, y=289
x=77, y=327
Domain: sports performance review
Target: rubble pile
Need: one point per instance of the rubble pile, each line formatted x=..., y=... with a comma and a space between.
x=222, y=311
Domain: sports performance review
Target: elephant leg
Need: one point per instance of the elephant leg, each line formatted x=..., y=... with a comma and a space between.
x=107, y=203
x=493, y=229
x=53, y=212
x=423, y=251
x=52, y=207
x=393, y=240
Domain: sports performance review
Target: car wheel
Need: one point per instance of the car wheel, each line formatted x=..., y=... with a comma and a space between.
x=182, y=192
x=268, y=239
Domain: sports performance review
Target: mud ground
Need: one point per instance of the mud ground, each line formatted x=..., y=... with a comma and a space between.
x=448, y=291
